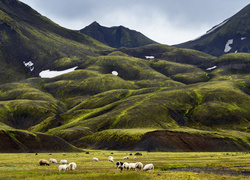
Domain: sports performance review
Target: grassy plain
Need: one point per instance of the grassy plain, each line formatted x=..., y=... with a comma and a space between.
x=201, y=165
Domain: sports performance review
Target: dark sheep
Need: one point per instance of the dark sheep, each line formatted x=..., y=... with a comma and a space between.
x=43, y=162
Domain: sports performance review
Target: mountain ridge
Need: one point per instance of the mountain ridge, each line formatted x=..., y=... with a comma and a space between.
x=116, y=36
x=230, y=36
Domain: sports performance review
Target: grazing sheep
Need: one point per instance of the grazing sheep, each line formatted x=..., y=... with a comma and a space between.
x=131, y=166
x=43, y=162
x=135, y=157
x=148, y=167
x=111, y=159
x=139, y=165
x=72, y=166
x=51, y=160
x=119, y=165
x=95, y=159
x=126, y=157
x=126, y=166
x=63, y=167
x=63, y=161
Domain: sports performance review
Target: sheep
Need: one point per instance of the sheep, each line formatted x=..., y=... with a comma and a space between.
x=43, y=162
x=111, y=159
x=64, y=167
x=148, y=167
x=63, y=161
x=119, y=165
x=139, y=165
x=126, y=165
x=135, y=157
x=95, y=159
x=126, y=157
x=51, y=160
x=72, y=166
x=131, y=166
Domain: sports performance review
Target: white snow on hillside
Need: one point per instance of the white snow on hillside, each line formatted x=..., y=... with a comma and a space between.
x=29, y=65
x=115, y=73
x=227, y=46
x=149, y=57
x=51, y=74
x=211, y=68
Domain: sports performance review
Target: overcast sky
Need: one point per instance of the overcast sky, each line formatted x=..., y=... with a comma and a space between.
x=165, y=21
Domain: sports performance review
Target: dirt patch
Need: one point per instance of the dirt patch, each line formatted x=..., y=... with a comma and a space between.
x=14, y=141
x=177, y=141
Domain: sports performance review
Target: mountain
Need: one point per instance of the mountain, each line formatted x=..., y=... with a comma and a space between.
x=154, y=97
x=30, y=43
x=116, y=37
x=230, y=36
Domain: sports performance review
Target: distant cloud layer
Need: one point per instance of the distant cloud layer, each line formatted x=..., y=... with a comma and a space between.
x=168, y=22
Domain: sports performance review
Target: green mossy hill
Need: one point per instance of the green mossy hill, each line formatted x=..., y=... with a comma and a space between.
x=169, y=53
x=24, y=104
x=116, y=36
x=214, y=42
x=17, y=141
x=30, y=43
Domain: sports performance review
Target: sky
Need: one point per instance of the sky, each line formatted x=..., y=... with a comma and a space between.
x=165, y=21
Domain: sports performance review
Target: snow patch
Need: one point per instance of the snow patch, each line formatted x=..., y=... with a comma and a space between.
x=51, y=74
x=227, y=46
x=29, y=65
x=149, y=57
x=115, y=73
x=217, y=26
x=211, y=68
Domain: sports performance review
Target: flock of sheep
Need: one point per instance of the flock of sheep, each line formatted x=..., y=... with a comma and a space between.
x=119, y=165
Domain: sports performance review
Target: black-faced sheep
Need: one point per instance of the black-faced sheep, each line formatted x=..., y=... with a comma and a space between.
x=43, y=162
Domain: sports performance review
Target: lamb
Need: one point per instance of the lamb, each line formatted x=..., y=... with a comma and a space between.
x=95, y=159
x=72, y=166
x=43, y=162
x=139, y=165
x=63, y=161
x=51, y=160
x=148, y=167
x=111, y=159
x=64, y=167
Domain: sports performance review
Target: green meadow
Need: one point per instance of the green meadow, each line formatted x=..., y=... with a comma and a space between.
x=168, y=165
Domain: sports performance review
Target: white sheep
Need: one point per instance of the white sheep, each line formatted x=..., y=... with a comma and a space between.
x=131, y=166
x=139, y=165
x=95, y=159
x=135, y=157
x=63, y=167
x=111, y=159
x=51, y=160
x=72, y=166
x=148, y=167
x=126, y=157
x=63, y=161
x=126, y=165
